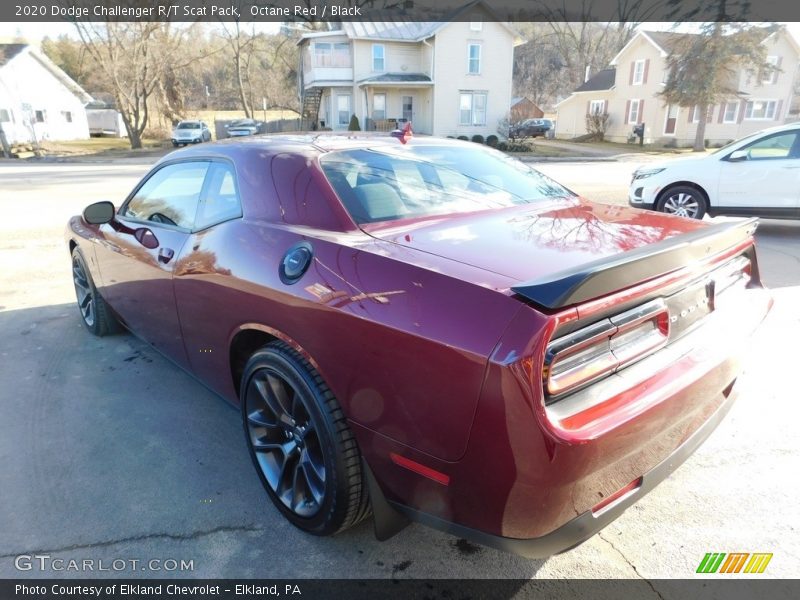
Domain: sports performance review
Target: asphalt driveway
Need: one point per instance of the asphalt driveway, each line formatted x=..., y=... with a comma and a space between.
x=108, y=451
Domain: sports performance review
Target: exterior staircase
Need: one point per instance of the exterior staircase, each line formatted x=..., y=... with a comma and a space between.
x=312, y=98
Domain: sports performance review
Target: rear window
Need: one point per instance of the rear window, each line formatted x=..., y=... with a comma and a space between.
x=383, y=184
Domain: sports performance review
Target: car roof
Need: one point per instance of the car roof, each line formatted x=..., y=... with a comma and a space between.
x=307, y=144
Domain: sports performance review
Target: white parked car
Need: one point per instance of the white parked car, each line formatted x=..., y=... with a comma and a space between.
x=758, y=175
x=190, y=132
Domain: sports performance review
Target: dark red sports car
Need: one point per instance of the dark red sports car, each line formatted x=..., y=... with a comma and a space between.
x=428, y=330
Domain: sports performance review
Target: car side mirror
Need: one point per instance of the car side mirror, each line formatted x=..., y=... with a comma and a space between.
x=99, y=213
x=146, y=238
x=738, y=156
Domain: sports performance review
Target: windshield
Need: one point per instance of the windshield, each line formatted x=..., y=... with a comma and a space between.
x=188, y=125
x=381, y=184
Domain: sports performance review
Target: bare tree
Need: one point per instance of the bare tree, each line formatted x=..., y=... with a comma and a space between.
x=241, y=45
x=133, y=58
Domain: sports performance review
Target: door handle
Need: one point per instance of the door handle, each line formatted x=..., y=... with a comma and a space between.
x=792, y=167
x=165, y=255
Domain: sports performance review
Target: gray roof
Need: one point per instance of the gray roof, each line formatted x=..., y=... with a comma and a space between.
x=603, y=80
x=9, y=51
x=398, y=78
x=380, y=24
x=390, y=30
x=669, y=40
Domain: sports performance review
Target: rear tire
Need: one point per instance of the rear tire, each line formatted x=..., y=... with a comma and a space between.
x=683, y=201
x=96, y=315
x=298, y=439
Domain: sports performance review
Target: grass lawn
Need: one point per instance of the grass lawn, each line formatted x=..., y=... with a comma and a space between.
x=106, y=146
x=632, y=148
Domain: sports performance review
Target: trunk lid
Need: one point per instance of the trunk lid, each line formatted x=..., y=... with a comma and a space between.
x=535, y=240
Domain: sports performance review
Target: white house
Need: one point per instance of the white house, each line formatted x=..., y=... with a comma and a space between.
x=447, y=78
x=38, y=99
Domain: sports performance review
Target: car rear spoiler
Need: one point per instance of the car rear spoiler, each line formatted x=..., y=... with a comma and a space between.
x=606, y=275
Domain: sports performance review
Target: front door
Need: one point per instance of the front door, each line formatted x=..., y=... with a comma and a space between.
x=767, y=180
x=408, y=108
x=136, y=270
x=672, y=119
x=343, y=110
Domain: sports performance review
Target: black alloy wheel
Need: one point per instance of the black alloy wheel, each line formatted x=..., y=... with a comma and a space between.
x=95, y=313
x=305, y=454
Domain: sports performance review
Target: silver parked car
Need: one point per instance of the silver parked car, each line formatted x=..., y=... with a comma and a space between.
x=190, y=132
x=244, y=127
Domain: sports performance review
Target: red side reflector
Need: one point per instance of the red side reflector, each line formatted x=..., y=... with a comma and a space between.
x=420, y=469
x=617, y=495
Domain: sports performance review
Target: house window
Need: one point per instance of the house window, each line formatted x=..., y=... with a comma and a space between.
x=597, y=107
x=343, y=109
x=472, y=108
x=67, y=116
x=474, y=59
x=378, y=57
x=730, y=112
x=379, y=107
x=475, y=26
x=771, y=75
x=638, y=72
x=633, y=111
x=327, y=54
x=696, y=114
x=322, y=54
x=38, y=116
x=760, y=110
x=5, y=116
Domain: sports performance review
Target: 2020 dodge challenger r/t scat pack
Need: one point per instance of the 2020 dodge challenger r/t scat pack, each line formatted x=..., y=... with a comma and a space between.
x=428, y=330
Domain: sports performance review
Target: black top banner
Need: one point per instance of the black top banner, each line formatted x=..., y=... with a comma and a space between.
x=400, y=10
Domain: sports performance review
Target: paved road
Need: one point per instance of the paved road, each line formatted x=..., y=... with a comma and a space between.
x=108, y=451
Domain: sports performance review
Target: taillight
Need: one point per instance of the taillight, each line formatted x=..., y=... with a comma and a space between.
x=581, y=357
x=595, y=351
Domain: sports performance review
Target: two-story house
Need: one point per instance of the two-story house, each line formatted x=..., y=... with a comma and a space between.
x=447, y=78
x=628, y=92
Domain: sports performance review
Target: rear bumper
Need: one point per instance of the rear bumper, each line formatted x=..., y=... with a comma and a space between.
x=584, y=526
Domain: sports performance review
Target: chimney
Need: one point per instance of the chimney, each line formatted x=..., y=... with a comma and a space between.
x=588, y=72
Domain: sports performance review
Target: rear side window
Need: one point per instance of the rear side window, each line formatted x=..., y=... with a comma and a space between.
x=775, y=146
x=170, y=196
x=221, y=199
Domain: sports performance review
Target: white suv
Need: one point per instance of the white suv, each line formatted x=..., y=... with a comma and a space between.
x=758, y=175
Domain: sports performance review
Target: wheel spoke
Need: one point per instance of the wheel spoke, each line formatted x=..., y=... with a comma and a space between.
x=285, y=448
x=257, y=418
x=284, y=483
x=297, y=483
x=275, y=397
